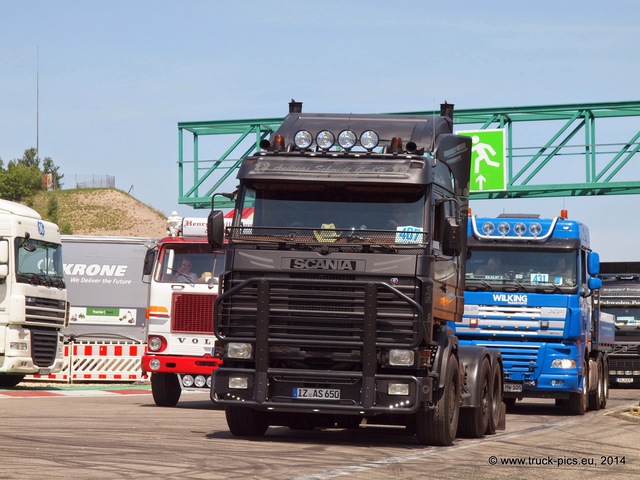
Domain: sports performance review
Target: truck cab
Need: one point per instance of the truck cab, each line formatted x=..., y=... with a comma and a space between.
x=334, y=301
x=182, y=272
x=33, y=295
x=531, y=291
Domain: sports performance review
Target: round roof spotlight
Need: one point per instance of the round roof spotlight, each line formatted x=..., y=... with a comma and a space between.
x=520, y=229
x=325, y=139
x=535, y=229
x=488, y=228
x=302, y=139
x=369, y=140
x=347, y=139
x=503, y=228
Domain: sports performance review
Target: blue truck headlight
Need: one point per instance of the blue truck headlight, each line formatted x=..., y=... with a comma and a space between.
x=563, y=363
x=401, y=358
x=239, y=350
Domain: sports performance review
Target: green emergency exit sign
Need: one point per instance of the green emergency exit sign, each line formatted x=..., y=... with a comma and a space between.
x=488, y=160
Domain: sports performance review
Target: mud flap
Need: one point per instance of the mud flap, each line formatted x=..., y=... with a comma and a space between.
x=502, y=421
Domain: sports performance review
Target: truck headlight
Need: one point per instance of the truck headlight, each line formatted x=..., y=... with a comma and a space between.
x=563, y=363
x=21, y=346
x=155, y=344
x=401, y=358
x=239, y=383
x=239, y=350
x=398, y=389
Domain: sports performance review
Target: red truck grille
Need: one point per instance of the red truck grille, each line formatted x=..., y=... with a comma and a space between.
x=192, y=313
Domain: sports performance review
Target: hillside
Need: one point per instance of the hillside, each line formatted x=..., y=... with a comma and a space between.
x=100, y=211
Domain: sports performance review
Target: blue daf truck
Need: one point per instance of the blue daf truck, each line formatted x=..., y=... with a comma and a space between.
x=531, y=292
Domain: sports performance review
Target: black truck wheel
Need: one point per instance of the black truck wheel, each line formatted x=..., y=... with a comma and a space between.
x=595, y=396
x=577, y=402
x=474, y=421
x=496, y=398
x=605, y=382
x=165, y=388
x=438, y=425
x=8, y=381
x=246, y=422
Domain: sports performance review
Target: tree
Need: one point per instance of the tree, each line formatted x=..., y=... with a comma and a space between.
x=20, y=181
x=48, y=167
x=22, y=177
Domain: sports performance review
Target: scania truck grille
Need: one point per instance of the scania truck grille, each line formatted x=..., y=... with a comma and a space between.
x=192, y=313
x=44, y=345
x=320, y=311
x=45, y=312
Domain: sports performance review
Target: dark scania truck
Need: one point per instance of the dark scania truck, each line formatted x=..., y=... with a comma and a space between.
x=334, y=301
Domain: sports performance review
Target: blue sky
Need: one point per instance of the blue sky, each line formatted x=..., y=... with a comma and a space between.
x=116, y=77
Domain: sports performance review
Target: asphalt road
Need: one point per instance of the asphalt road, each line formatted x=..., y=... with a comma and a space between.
x=100, y=435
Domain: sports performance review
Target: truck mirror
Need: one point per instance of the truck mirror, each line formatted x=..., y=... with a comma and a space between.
x=215, y=229
x=594, y=283
x=4, y=272
x=4, y=252
x=593, y=263
x=451, y=241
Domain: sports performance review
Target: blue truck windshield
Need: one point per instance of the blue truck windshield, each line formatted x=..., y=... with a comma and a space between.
x=530, y=268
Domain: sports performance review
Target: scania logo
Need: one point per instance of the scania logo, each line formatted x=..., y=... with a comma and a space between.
x=322, y=264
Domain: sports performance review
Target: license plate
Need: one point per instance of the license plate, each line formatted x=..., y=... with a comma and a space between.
x=317, y=393
x=624, y=380
x=512, y=387
x=44, y=371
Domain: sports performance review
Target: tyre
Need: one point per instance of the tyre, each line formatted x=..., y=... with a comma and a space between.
x=605, y=383
x=165, y=388
x=496, y=398
x=8, y=381
x=438, y=425
x=246, y=422
x=595, y=396
x=475, y=421
x=577, y=402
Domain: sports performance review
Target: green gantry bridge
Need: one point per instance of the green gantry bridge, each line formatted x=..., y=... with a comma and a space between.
x=551, y=150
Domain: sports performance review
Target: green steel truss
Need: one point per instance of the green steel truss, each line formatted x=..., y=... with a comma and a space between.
x=552, y=150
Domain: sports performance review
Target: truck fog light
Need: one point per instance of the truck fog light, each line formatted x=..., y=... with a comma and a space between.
x=398, y=389
x=557, y=383
x=563, y=363
x=239, y=383
x=187, y=381
x=239, y=350
x=22, y=346
x=154, y=364
x=200, y=381
x=612, y=372
x=402, y=358
x=636, y=372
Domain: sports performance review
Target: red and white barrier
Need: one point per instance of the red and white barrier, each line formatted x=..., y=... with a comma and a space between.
x=99, y=361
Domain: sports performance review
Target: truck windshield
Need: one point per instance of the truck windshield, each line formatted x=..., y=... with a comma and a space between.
x=627, y=320
x=328, y=206
x=189, y=263
x=39, y=262
x=528, y=269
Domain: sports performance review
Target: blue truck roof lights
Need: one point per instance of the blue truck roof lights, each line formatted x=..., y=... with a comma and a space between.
x=525, y=229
